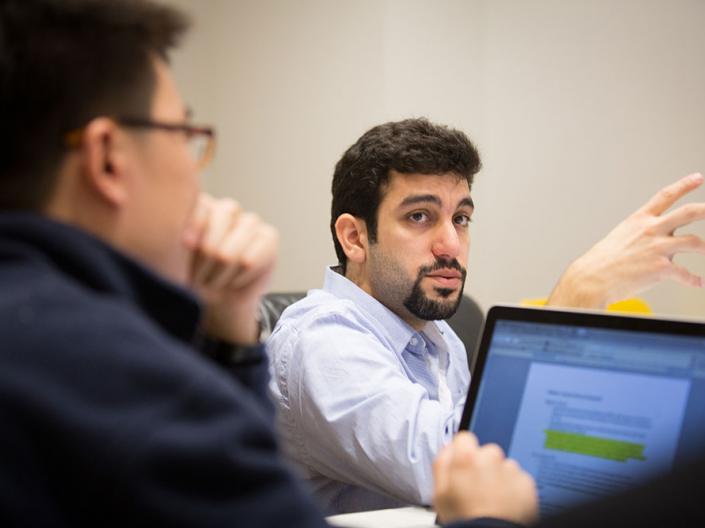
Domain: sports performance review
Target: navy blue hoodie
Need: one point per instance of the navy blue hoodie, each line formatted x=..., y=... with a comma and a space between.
x=108, y=414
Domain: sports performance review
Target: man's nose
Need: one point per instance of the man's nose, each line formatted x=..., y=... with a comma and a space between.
x=446, y=242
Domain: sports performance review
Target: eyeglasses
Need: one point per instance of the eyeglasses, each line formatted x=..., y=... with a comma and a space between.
x=201, y=140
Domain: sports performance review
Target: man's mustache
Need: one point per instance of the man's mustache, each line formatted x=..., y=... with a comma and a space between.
x=442, y=263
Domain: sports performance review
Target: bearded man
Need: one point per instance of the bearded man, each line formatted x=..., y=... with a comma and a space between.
x=368, y=378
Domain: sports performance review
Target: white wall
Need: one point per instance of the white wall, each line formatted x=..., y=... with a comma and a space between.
x=581, y=110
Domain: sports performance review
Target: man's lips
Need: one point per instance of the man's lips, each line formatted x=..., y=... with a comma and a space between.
x=446, y=278
x=446, y=274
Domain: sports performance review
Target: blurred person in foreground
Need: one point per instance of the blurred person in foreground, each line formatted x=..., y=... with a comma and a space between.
x=124, y=399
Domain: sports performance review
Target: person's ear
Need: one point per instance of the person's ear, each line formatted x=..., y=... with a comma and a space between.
x=103, y=167
x=352, y=235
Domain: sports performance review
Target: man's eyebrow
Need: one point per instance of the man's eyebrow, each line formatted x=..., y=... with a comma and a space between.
x=467, y=201
x=432, y=198
x=420, y=198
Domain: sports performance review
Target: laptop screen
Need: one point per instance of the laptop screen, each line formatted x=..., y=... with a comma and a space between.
x=588, y=404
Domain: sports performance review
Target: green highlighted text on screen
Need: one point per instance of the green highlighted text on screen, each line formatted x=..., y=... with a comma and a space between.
x=595, y=446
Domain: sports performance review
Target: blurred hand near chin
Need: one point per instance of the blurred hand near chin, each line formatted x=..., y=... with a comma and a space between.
x=233, y=257
x=472, y=481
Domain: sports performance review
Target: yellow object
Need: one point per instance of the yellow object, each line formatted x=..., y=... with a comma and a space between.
x=633, y=305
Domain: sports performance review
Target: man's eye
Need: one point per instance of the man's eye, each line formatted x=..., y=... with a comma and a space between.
x=462, y=220
x=418, y=217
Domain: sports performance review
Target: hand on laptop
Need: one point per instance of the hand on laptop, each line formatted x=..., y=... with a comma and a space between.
x=637, y=254
x=473, y=481
x=234, y=253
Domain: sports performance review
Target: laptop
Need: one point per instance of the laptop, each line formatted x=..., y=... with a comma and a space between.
x=588, y=403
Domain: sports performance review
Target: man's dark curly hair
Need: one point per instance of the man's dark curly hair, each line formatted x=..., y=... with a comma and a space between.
x=411, y=146
x=63, y=63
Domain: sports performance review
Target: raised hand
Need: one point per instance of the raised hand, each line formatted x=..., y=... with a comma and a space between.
x=637, y=254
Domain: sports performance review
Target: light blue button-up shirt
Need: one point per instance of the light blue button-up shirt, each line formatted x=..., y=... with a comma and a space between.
x=361, y=406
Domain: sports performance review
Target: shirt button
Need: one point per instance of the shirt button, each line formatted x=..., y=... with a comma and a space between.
x=413, y=341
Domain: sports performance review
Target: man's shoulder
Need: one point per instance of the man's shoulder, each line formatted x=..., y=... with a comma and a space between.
x=320, y=307
x=321, y=319
x=44, y=317
x=100, y=345
x=49, y=303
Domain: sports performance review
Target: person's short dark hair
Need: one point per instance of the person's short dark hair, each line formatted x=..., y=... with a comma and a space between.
x=63, y=63
x=411, y=146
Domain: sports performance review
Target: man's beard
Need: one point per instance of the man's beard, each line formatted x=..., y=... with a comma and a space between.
x=427, y=309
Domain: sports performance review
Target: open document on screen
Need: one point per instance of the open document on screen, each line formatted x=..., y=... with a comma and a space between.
x=585, y=432
x=590, y=411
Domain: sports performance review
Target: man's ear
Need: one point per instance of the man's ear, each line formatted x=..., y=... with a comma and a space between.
x=102, y=163
x=352, y=235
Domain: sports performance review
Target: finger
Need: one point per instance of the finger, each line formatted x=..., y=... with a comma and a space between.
x=465, y=448
x=682, y=275
x=222, y=215
x=198, y=222
x=441, y=466
x=528, y=483
x=227, y=259
x=492, y=452
x=251, y=274
x=467, y=437
x=682, y=216
x=512, y=465
x=670, y=194
x=198, y=228
x=466, y=440
x=259, y=259
x=441, y=477
x=684, y=244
